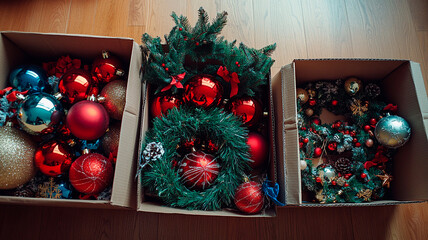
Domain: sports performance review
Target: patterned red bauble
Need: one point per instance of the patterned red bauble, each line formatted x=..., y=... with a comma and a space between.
x=258, y=150
x=91, y=173
x=162, y=103
x=87, y=120
x=199, y=170
x=249, y=197
x=75, y=85
x=107, y=68
x=247, y=108
x=203, y=91
x=53, y=158
x=115, y=98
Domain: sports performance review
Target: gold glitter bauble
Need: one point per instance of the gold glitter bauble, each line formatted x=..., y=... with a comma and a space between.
x=353, y=85
x=115, y=98
x=303, y=95
x=110, y=141
x=16, y=158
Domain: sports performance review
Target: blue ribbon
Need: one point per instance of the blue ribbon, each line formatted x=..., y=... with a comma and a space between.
x=90, y=145
x=272, y=192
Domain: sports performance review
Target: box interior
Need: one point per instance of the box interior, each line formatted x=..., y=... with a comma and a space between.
x=401, y=83
x=22, y=48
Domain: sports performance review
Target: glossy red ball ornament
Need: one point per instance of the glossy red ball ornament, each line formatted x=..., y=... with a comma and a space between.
x=75, y=85
x=373, y=121
x=258, y=150
x=53, y=158
x=107, y=68
x=334, y=102
x=91, y=173
x=115, y=98
x=305, y=140
x=312, y=102
x=316, y=121
x=317, y=152
x=199, y=170
x=162, y=103
x=318, y=179
x=366, y=128
x=247, y=108
x=203, y=91
x=249, y=197
x=363, y=175
x=87, y=120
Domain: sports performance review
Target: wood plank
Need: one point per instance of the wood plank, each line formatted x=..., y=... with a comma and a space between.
x=419, y=12
x=423, y=44
x=326, y=29
x=82, y=17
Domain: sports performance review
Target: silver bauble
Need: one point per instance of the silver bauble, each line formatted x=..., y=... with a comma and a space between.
x=392, y=131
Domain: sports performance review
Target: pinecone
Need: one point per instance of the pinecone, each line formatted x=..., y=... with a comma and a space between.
x=372, y=90
x=24, y=192
x=343, y=165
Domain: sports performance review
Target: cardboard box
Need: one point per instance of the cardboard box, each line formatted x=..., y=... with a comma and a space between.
x=19, y=48
x=146, y=203
x=401, y=83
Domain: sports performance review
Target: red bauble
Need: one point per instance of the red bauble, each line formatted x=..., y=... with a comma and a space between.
x=258, y=150
x=199, y=170
x=316, y=121
x=203, y=91
x=87, y=120
x=332, y=146
x=115, y=98
x=247, y=108
x=317, y=152
x=107, y=68
x=162, y=103
x=53, y=158
x=91, y=173
x=75, y=85
x=249, y=197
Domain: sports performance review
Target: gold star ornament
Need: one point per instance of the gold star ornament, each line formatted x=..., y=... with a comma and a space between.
x=385, y=178
x=365, y=194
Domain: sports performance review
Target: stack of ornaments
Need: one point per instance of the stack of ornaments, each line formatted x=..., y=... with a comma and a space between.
x=60, y=125
x=207, y=145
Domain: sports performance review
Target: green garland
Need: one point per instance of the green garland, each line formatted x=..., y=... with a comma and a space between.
x=355, y=167
x=199, y=50
x=224, y=130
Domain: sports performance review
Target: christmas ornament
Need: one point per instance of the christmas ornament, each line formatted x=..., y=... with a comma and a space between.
x=110, y=141
x=107, y=68
x=199, y=170
x=16, y=158
x=365, y=194
x=115, y=98
x=28, y=77
x=385, y=178
x=40, y=113
x=164, y=102
x=302, y=95
x=359, y=108
x=75, y=85
x=247, y=108
x=87, y=120
x=369, y=142
x=56, y=188
x=329, y=173
x=249, y=197
x=203, y=91
x=258, y=150
x=53, y=158
x=392, y=131
x=317, y=152
x=91, y=173
x=309, y=112
x=352, y=85
x=303, y=164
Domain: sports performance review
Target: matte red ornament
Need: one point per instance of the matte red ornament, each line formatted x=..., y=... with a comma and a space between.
x=87, y=120
x=115, y=98
x=258, y=150
x=249, y=197
x=203, y=91
x=317, y=152
x=199, y=170
x=164, y=102
x=247, y=108
x=91, y=173
x=53, y=158
x=107, y=68
x=75, y=85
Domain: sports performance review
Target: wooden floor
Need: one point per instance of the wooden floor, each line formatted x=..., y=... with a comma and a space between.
x=301, y=29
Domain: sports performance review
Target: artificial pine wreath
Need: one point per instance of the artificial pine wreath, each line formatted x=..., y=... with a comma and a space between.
x=195, y=155
x=355, y=154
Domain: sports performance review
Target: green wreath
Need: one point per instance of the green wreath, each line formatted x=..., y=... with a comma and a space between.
x=162, y=178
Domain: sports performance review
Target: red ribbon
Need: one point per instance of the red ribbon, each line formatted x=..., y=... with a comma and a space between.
x=4, y=91
x=11, y=97
x=229, y=77
x=390, y=107
x=379, y=158
x=175, y=81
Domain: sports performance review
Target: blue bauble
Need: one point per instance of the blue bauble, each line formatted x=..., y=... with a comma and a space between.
x=28, y=77
x=40, y=113
x=392, y=131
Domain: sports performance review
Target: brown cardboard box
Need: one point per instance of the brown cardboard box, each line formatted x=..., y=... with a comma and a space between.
x=145, y=204
x=401, y=83
x=20, y=48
